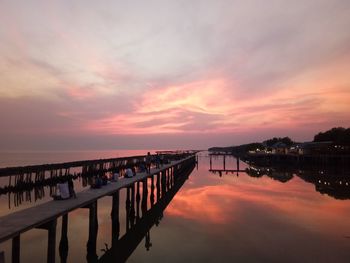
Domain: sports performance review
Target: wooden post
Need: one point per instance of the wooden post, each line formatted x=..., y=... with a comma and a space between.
x=63, y=247
x=127, y=208
x=170, y=180
x=2, y=257
x=51, y=248
x=115, y=218
x=132, y=208
x=144, y=197
x=152, y=190
x=16, y=245
x=93, y=229
x=167, y=180
x=211, y=163
x=163, y=183
x=224, y=162
x=138, y=198
x=158, y=186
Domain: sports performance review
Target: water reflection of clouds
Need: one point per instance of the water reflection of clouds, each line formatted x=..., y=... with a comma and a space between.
x=295, y=203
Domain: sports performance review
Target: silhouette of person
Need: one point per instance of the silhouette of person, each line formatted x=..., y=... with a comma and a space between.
x=148, y=162
x=71, y=188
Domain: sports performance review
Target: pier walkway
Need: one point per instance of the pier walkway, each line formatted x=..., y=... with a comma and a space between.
x=12, y=225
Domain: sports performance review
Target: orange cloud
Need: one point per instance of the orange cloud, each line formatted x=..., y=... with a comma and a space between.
x=170, y=109
x=213, y=106
x=211, y=96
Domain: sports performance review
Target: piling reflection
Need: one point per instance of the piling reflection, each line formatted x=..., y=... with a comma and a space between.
x=167, y=185
x=333, y=181
x=140, y=217
x=140, y=204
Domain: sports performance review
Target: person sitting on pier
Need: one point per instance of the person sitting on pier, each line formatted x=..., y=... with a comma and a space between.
x=71, y=188
x=104, y=179
x=142, y=167
x=63, y=189
x=115, y=175
x=128, y=173
x=96, y=182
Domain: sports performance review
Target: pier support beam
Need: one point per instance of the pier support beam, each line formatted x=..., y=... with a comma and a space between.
x=63, y=247
x=115, y=219
x=158, y=186
x=138, y=199
x=132, y=208
x=127, y=208
x=51, y=248
x=16, y=245
x=163, y=183
x=167, y=180
x=152, y=191
x=144, y=197
x=93, y=229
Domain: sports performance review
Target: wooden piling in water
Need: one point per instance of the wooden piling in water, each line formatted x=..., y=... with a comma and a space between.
x=63, y=246
x=93, y=229
x=158, y=186
x=16, y=247
x=89, y=200
x=51, y=247
x=115, y=218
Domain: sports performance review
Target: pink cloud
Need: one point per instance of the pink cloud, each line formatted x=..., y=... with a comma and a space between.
x=80, y=93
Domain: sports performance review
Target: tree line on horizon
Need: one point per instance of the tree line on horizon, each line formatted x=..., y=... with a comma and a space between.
x=338, y=135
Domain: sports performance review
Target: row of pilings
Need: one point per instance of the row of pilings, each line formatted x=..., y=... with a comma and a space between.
x=30, y=183
x=139, y=217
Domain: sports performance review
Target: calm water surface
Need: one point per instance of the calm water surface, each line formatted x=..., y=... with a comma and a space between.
x=223, y=218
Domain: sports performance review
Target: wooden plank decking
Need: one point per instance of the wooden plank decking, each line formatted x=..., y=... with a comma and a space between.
x=18, y=222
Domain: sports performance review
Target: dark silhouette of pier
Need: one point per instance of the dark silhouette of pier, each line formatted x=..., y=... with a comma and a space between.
x=139, y=227
x=28, y=183
x=45, y=216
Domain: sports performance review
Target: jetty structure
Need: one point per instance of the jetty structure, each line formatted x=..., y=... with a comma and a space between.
x=163, y=178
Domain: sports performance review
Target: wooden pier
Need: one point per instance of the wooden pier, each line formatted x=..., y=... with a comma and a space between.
x=45, y=216
x=123, y=247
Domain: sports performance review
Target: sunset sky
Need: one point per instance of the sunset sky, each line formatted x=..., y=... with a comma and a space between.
x=171, y=74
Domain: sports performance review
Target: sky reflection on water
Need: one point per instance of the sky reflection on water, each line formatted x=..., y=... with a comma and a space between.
x=223, y=219
x=242, y=218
